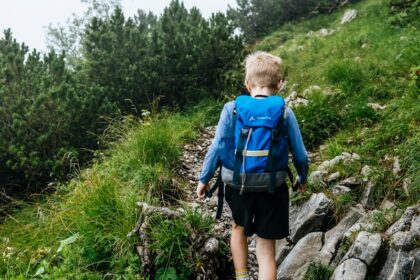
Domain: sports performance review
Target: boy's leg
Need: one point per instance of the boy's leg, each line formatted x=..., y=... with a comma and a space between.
x=239, y=247
x=266, y=259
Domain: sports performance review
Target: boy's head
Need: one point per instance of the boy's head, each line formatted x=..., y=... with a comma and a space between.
x=263, y=69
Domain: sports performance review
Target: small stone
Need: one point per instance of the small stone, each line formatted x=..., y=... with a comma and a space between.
x=355, y=156
x=351, y=182
x=366, y=171
x=348, y=16
x=386, y=204
x=376, y=106
x=338, y=189
x=396, y=166
x=334, y=176
x=316, y=178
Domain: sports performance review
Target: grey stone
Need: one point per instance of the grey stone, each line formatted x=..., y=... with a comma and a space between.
x=376, y=106
x=334, y=176
x=367, y=200
x=348, y=16
x=365, y=247
x=305, y=251
x=366, y=171
x=339, y=189
x=311, y=216
x=351, y=269
x=334, y=236
x=404, y=223
x=316, y=178
x=386, y=204
x=351, y=182
x=282, y=249
x=401, y=265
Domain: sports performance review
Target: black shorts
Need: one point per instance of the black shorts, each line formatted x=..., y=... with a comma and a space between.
x=263, y=213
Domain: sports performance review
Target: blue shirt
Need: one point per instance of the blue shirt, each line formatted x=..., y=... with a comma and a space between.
x=297, y=148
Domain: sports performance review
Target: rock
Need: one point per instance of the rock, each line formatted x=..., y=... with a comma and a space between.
x=325, y=32
x=310, y=33
x=311, y=216
x=355, y=156
x=334, y=236
x=339, y=189
x=310, y=90
x=386, y=204
x=316, y=178
x=376, y=106
x=348, y=16
x=366, y=171
x=406, y=230
x=351, y=269
x=365, y=46
x=396, y=166
x=282, y=249
x=406, y=186
x=334, y=176
x=365, y=247
x=367, y=200
x=298, y=102
x=351, y=182
x=291, y=97
x=305, y=251
x=364, y=224
x=211, y=246
x=326, y=165
x=401, y=265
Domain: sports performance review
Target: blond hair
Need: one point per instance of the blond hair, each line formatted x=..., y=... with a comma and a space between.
x=263, y=69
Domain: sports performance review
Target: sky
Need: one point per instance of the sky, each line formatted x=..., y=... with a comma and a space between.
x=28, y=19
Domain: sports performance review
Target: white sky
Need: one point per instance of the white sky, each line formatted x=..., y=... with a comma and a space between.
x=28, y=19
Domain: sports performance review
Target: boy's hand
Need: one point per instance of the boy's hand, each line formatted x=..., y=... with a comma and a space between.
x=201, y=190
x=301, y=188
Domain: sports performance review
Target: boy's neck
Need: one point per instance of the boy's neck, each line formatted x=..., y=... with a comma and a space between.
x=266, y=91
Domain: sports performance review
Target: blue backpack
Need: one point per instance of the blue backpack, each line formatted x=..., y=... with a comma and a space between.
x=254, y=151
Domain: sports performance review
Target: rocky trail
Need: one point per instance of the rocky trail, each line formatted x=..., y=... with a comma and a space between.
x=351, y=246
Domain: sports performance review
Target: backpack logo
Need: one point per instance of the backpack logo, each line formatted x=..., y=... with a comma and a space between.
x=259, y=118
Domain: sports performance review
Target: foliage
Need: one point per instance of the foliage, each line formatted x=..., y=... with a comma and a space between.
x=173, y=241
x=55, y=110
x=81, y=230
x=48, y=121
x=257, y=18
x=318, y=271
x=404, y=12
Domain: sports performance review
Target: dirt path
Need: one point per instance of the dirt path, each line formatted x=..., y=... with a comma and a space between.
x=191, y=163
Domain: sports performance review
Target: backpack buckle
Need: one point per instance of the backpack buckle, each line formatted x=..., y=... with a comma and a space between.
x=244, y=132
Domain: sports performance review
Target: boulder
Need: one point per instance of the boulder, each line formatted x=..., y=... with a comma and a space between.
x=406, y=230
x=310, y=216
x=366, y=171
x=316, y=178
x=351, y=182
x=305, y=251
x=365, y=247
x=367, y=200
x=334, y=236
x=334, y=176
x=351, y=269
x=282, y=249
x=401, y=265
x=348, y=16
x=339, y=189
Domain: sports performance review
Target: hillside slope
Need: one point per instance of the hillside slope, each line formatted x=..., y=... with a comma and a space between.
x=355, y=90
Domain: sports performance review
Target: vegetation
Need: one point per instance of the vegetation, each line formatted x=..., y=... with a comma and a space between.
x=52, y=112
x=318, y=271
x=257, y=19
x=80, y=231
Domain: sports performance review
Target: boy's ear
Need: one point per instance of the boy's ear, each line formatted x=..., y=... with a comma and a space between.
x=248, y=86
x=280, y=85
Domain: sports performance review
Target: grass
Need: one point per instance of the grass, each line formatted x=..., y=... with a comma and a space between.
x=99, y=205
x=364, y=61
x=318, y=271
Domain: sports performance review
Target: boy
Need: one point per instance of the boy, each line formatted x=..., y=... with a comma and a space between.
x=265, y=214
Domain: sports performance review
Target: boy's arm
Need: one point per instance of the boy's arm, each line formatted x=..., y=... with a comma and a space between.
x=212, y=158
x=300, y=156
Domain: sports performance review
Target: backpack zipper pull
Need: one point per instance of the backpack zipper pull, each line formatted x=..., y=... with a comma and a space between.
x=242, y=189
